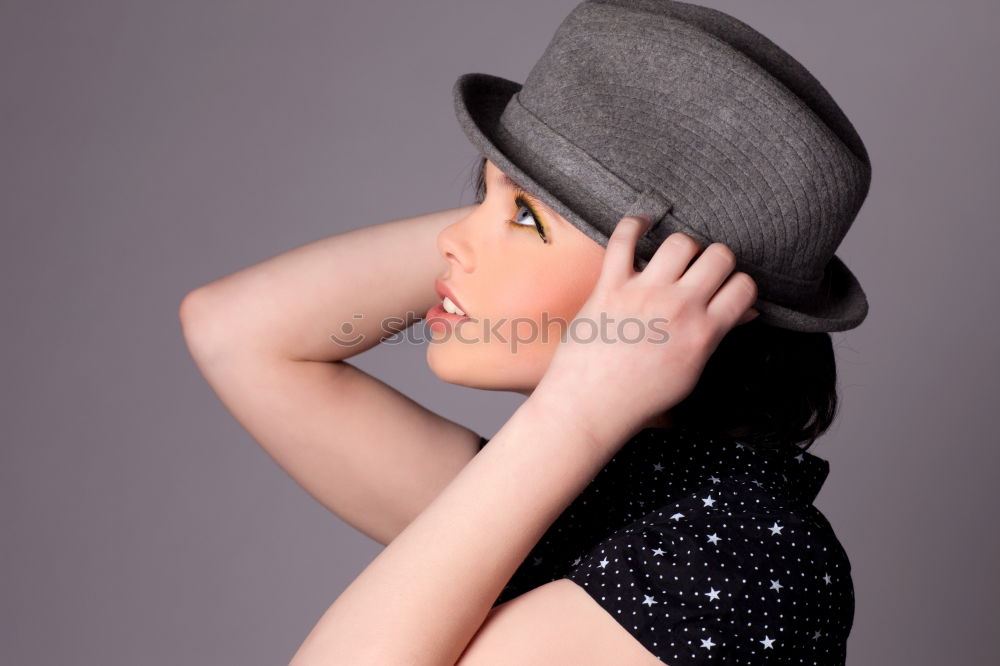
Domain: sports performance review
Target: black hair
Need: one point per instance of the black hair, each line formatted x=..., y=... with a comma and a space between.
x=765, y=386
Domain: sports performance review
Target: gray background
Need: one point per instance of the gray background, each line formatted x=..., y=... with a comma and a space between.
x=149, y=147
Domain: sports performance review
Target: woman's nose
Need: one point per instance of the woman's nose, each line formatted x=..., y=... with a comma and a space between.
x=453, y=242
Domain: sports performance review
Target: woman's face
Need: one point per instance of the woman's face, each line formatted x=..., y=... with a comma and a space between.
x=521, y=272
x=511, y=282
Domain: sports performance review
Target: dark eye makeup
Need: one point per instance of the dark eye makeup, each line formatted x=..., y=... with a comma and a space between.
x=522, y=199
x=522, y=203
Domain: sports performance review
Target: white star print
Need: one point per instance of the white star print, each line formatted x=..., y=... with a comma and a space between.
x=538, y=561
x=643, y=563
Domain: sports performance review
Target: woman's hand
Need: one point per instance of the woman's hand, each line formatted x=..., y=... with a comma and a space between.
x=640, y=342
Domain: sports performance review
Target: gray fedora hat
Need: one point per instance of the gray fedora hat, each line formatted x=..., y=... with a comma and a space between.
x=692, y=118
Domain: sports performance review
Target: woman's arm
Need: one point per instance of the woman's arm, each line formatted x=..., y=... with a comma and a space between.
x=260, y=336
x=421, y=601
x=289, y=305
x=423, y=598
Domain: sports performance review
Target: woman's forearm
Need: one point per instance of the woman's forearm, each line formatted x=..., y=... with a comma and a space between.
x=423, y=598
x=350, y=285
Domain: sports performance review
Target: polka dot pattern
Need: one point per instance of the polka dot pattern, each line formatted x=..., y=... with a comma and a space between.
x=706, y=551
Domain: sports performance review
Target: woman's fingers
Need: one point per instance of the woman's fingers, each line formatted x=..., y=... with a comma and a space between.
x=619, y=257
x=731, y=304
x=749, y=315
x=709, y=271
x=671, y=259
x=710, y=279
x=713, y=280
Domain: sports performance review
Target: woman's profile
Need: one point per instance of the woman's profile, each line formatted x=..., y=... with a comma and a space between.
x=650, y=261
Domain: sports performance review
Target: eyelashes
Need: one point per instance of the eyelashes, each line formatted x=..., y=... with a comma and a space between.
x=522, y=202
x=521, y=198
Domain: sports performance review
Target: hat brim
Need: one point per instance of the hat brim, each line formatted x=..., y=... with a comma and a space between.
x=479, y=101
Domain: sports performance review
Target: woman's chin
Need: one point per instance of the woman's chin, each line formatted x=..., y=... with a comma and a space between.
x=448, y=367
x=472, y=373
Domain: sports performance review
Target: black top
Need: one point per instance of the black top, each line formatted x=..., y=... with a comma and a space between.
x=706, y=551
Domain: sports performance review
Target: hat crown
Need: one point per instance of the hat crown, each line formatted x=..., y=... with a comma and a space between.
x=667, y=105
x=691, y=117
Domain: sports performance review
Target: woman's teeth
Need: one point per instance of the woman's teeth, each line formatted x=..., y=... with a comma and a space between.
x=450, y=307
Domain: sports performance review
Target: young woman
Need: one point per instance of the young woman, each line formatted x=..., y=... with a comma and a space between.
x=651, y=501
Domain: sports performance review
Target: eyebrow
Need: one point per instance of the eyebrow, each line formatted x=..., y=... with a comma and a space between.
x=511, y=184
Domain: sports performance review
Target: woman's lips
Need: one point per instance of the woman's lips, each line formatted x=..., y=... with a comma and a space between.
x=439, y=319
x=443, y=290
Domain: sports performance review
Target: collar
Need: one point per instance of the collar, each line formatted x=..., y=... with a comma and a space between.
x=695, y=457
